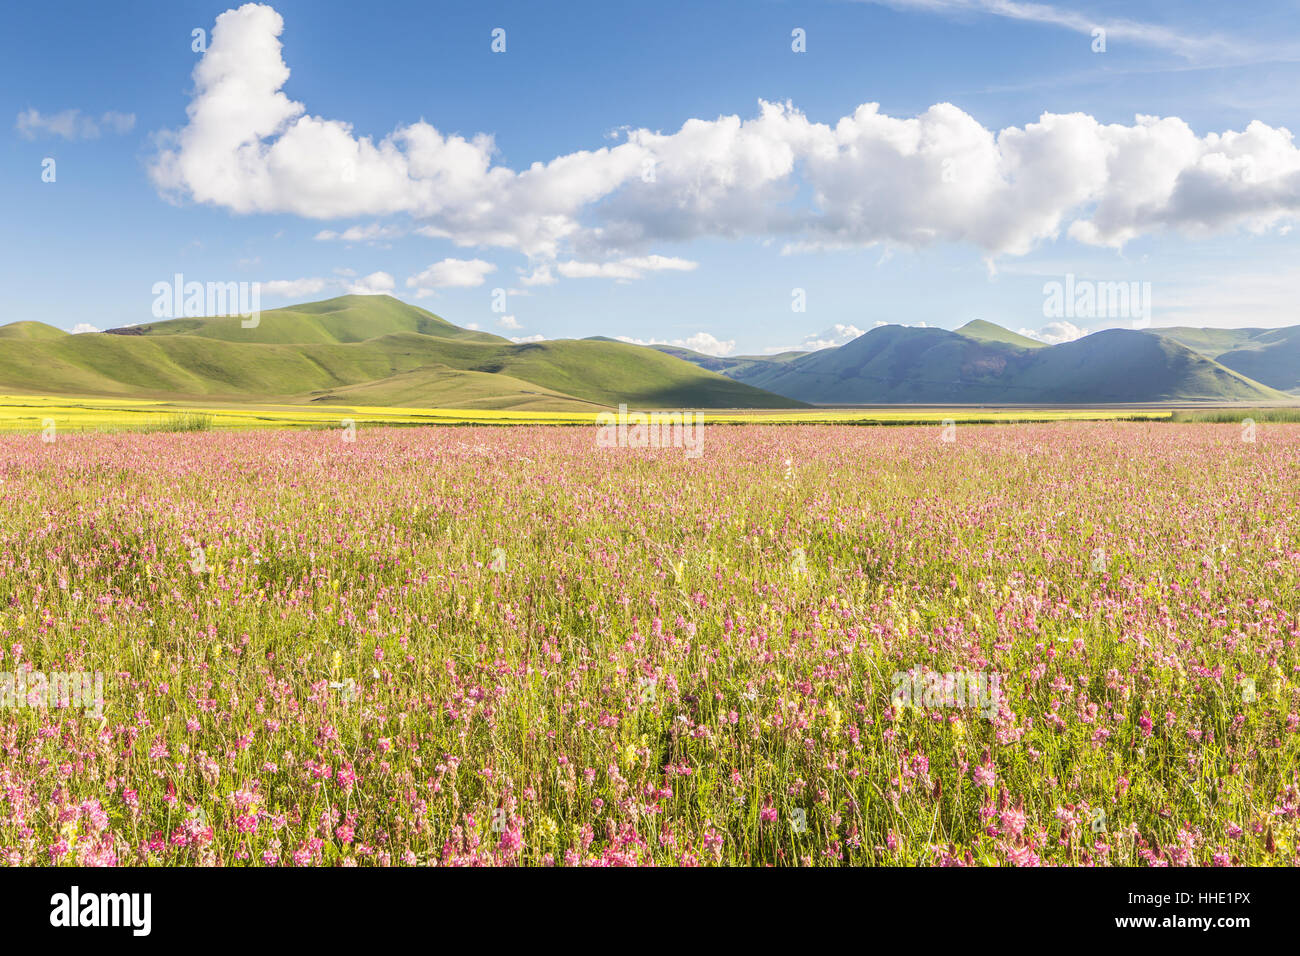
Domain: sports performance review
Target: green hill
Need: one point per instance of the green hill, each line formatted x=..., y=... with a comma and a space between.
x=378, y=350
x=348, y=318
x=1271, y=356
x=894, y=364
x=733, y=366
x=30, y=330
x=369, y=349
x=983, y=331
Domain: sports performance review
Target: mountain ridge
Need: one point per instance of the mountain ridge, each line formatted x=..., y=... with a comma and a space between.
x=366, y=347
x=894, y=364
x=383, y=351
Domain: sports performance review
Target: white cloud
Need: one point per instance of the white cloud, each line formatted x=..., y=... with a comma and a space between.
x=377, y=283
x=526, y=339
x=452, y=274
x=509, y=322
x=82, y=327
x=702, y=342
x=1146, y=34
x=72, y=124
x=293, y=288
x=1054, y=333
x=371, y=233
x=630, y=268
x=836, y=335
x=539, y=276
x=937, y=177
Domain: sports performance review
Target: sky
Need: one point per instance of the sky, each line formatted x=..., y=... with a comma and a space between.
x=735, y=177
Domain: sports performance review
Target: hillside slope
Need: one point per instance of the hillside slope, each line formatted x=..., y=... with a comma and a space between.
x=347, y=318
x=304, y=352
x=983, y=331
x=895, y=364
x=1270, y=356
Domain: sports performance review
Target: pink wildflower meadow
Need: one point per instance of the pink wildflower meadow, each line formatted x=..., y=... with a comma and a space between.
x=478, y=646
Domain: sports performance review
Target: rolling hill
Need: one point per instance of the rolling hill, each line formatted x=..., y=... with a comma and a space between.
x=988, y=332
x=896, y=364
x=1270, y=356
x=378, y=350
x=362, y=349
x=30, y=331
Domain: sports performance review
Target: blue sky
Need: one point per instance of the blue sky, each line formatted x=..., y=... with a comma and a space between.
x=856, y=208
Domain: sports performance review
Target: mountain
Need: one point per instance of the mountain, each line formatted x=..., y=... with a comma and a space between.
x=30, y=330
x=729, y=365
x=988, y=332
x=1270, y=356
x=346, y=319
x=896, y=364
x=372, y=350
x=732, y=366
x=378, y=350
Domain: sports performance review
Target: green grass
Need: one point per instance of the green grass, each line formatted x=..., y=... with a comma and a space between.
x=1237, y=415
x=1271, y=356
x=388, y=351
x=180, y=422
x=983, y=331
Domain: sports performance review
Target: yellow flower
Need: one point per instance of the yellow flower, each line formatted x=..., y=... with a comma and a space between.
x=216, y=651
x=336, y=661
x=835, y=717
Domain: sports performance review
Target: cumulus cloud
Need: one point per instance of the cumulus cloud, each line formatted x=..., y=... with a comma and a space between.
x=452, y=274
x=72, y=124
x=623, y=269
x=82, y=327
x=508, y=322
x=293, y=288
x=701, y=342
x=540, y=276
x=837, y=334
x=1054, y=333
x=526, y=339
x=377, y=283
x=374, y=232
x=864, y=179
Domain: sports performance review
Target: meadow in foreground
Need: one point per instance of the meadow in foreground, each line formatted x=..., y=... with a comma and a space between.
x=466, y=646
